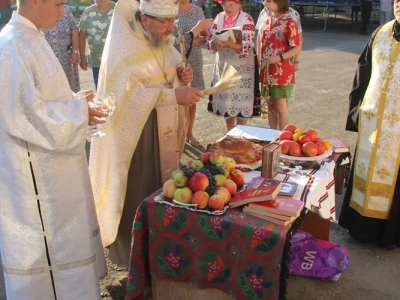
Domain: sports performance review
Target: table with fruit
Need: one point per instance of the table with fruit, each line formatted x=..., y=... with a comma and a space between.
x=187, y=233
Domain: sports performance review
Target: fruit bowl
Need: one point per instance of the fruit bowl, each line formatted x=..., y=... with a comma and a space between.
x=324, y=155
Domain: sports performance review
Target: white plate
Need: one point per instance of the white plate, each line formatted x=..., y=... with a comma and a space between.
x=184, y=204
x=326, y=154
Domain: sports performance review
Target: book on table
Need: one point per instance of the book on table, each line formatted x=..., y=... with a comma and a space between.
x=338, y=146
x=260, y=194
x=281, y=205
x=287, y=188
x=277, y=219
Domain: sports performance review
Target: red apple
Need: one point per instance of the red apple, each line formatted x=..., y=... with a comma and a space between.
x=205, y=157
x=294, y=149
x=216, y=202
x=200, y=198
x=311, y=133
x=320, y=147
x=304, y=139
x=198, y=182
x=310, y=149
x=290, y=128
x=231, y=186
x=238, y=177
x=224, y=193
x=284, y=146
x=285, y=135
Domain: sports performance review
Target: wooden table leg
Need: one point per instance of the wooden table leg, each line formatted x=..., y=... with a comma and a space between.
x=316, y=226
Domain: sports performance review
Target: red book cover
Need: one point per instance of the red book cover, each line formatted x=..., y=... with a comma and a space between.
x=280, y=205
x=255, y=195
x=338, y=146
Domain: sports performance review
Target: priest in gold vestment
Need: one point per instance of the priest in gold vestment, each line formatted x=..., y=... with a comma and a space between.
x=49, y=234
x=371, y=206
x=146, y=134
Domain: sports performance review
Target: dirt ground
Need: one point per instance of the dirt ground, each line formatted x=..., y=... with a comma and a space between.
x=321, y=100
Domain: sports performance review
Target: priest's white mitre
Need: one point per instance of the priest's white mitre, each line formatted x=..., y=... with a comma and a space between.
x=160, y=8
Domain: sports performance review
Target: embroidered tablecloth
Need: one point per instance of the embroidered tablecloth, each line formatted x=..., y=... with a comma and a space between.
x=236, y=253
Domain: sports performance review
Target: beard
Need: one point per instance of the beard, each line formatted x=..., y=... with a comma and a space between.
x=159, y=41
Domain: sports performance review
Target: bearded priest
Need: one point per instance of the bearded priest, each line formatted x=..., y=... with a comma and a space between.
x=146, y=134
x=49, y=235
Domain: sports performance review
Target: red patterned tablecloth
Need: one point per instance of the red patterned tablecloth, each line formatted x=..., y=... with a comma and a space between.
x=236, y=253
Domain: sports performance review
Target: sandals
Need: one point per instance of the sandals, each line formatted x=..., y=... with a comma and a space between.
x=193, y=142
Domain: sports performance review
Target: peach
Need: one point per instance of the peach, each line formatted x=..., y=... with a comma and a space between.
x=296, y=136
x=224, y=193
x=320, y=147
x=180, y=180
x=230, y=164
x=216, y=202
x=284, y=146
x=217, y=158
x=175, y=172
x=327, y=144
x=231, y=186
x=294, y=149
x=290, y=128
x=197, y=165
x=285, y=135
x=205, y=157
x=183, y=195
x=310, y=149
x=304, y=139
x=169, y=188
x=198, y=182
x=220, y=179
x=237, y=177
x=311, y=133
x=200, y=198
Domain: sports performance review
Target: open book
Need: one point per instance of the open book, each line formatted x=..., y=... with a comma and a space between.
x=235, y=33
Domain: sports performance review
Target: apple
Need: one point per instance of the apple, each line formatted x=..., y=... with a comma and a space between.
x=200, y=198
x=311, y=133
x=216, y=202
x=294, y=149
x=285, y=135
x=310, y=149
x=224, y=169
x=230, y=164
x=217, y=158
x=284, y=146
x=198, y=182
x=304, y=139
x=224, y=193
x=175, y=172
x=183, y=195
x=290, y=128
x=238, y=177
x=180, y=180
x=320, y=147
x=220, y=179
x=197, y=165
x=169, y=188
x=205, y=157
x=231, y=186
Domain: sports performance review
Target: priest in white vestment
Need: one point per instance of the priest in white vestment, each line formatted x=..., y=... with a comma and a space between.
x=49, y=235
x=144, y=137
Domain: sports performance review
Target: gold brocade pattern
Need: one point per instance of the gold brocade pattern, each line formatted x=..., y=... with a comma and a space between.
x=132, y=74
x=379, y=131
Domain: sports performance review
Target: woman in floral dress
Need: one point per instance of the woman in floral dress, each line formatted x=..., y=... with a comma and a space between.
x=64, y=41
x=278, y=44
x=235, y=104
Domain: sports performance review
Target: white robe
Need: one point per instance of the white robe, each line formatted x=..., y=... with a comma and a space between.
x=43, y=125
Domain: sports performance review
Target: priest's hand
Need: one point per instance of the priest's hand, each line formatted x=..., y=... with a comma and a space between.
x=188, y=96
x=95, y=116
x=185, y=75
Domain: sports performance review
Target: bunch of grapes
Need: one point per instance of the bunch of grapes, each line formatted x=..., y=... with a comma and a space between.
x=213, y=169
x=212, y=187
x=188, y=171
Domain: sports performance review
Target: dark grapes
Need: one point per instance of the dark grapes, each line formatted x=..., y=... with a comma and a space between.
x=214, y=170
x=187, y=171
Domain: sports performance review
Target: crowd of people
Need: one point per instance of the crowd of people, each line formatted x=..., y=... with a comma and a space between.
x=58, y=212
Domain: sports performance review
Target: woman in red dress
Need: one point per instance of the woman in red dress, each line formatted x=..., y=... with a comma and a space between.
x=278, y=44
